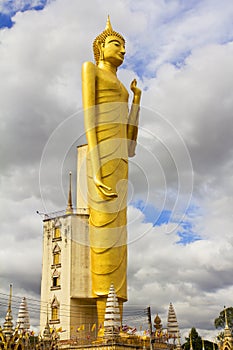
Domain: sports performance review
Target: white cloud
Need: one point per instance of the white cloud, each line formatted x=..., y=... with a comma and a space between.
x=192, y=277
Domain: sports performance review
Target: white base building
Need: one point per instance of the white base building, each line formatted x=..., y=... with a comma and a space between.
x=66, y=300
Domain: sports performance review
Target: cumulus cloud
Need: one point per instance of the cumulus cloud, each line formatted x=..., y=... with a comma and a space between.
x=193, y=277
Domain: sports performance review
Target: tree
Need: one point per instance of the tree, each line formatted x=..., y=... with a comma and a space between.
x=219, y=322
x=197, y=342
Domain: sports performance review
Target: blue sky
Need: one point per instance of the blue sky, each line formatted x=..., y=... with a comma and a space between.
x=10, y=7
x=186, y=232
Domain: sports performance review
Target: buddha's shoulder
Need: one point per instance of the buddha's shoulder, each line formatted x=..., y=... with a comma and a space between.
x=88, y=66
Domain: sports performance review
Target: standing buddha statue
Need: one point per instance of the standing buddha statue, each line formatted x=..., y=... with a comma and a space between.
x=111, y=132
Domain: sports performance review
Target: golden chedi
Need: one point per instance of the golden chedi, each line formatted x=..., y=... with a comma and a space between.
x=111, y=132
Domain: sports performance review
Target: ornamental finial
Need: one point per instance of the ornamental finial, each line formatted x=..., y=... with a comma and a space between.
x=8, y=324
x=69, y=209
x=108, y=25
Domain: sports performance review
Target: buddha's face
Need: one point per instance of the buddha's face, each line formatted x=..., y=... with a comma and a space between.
x=114, y=50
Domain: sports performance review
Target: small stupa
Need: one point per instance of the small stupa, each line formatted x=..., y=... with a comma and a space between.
x=172, y=324
x=112, y=321
x=23, y=321
x=157, y=323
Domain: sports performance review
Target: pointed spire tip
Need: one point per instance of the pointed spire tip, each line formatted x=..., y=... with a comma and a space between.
x=108, y=24
x=69, y=209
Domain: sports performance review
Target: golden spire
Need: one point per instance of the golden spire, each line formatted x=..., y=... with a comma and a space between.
x=8, y=324
x=108, y=25
x=178, y=346
x=226, y=320
x=69, y=208
x=227, y=331
x=46, y=332
x=191, y=343
x=203, y=344
x=10, y=298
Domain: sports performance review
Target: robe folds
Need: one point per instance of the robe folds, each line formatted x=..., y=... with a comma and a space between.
x=108, y=217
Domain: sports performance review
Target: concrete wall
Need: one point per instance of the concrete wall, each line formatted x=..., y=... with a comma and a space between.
x=74, y=292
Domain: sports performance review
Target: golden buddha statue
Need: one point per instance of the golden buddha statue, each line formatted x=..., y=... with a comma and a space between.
x=111, y=132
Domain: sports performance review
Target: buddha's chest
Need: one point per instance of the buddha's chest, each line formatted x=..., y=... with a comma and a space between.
x=109, y=88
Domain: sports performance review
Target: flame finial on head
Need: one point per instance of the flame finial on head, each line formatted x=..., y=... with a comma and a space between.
x=108, y=25
x=100, y=39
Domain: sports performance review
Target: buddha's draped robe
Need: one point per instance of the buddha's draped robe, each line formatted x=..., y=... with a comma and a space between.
x=108, y=233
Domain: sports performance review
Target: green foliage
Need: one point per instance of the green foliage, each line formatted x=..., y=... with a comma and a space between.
x=210, y=346
x=33, y=339
x=197, y=342
x=219, y=322
x=220, y=336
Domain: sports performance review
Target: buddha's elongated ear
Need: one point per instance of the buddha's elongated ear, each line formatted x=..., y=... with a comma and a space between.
x=100, y=46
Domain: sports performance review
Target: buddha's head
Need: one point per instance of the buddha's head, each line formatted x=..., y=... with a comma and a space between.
x=109, y=45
